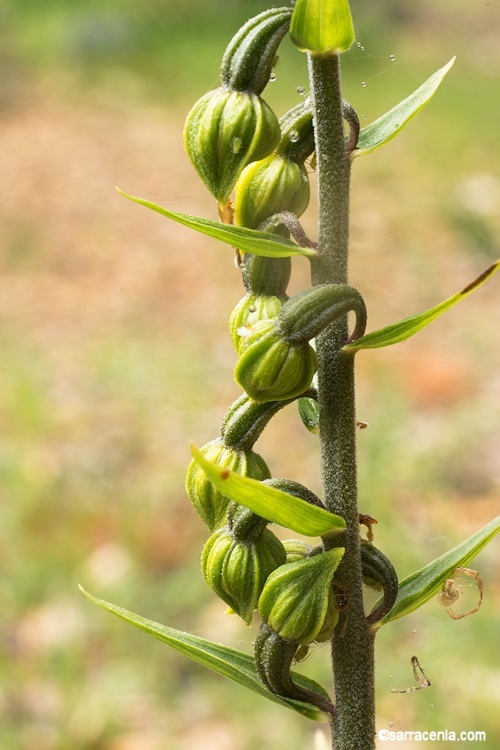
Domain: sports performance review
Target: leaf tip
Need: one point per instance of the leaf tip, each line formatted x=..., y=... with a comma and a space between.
x=481, y=278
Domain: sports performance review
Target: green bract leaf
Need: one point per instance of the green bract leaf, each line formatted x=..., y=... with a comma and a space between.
x=221, y=659
x=388, y=126
x=309, y=413
x=322, y=26
x=270, y=503
x=421, y=586
x=398, y=332
x=247, y=240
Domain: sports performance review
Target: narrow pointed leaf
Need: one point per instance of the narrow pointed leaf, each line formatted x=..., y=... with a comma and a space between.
x=422, y=585
x=226, y=661
x=388, y=126
x=247, y=240
x=404, y=329
x=269, y=502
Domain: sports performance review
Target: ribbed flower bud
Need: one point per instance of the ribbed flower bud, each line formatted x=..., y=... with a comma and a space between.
x=276, y=362
x=210, y=504
x=251, y=54
x=250, y=310
x=296, y=549
x=296, y=599
x=225, y=131
x=279, y=182
x=237, y=570
x=270, y=368
x=268, y=187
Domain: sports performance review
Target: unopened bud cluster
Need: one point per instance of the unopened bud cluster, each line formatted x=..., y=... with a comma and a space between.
x=236, y=143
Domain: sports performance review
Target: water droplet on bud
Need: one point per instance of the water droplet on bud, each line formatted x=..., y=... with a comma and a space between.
x=392, y=57
x=363, y=83
x=236, y=145
x=272, y=77
x=294, y=136
x=301, y=90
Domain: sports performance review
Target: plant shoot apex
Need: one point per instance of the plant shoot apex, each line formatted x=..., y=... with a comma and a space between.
x=322, y=27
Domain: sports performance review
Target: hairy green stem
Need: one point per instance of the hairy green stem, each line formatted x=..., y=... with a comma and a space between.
x=353, y=727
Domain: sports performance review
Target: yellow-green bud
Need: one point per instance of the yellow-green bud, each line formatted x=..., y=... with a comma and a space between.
x=249, y=310
x=268, y=187
x=225, y=131
x=210, y=504
x=296, y=599
x=322, y=27
x=296, y=549
x=237, y=571
x=270, y=368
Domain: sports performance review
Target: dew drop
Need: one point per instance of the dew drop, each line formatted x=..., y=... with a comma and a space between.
x=391, y=677
x=294, y=136
x=363, y=83
x=301, y=90
x=362, y=49
x=236, y=145
x=272, y=77
x=432, y=705
x=365, y=117
x=391, y=724
x=414, y=632
x=392, y=57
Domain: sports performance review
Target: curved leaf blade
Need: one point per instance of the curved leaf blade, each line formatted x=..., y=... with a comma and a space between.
x=269, y=502
x=247, y=240
x=404, y=329
x=223, y=660
x=422, y=585
x=391, y=123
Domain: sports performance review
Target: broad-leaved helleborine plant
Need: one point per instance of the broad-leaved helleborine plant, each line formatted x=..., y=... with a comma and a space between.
x=296, y=350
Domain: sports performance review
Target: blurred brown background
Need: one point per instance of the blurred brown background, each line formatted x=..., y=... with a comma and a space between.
x=115, y=354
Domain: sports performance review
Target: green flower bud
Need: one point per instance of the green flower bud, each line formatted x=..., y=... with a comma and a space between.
x=225, y=131
x=210, y=504
x=237, y=571
x=279, y=182
x=268, y=187
x=270, y=368
x=251, y=309
x=296, y=599
x=251, y=53
x=296, y=549
x=322, y=27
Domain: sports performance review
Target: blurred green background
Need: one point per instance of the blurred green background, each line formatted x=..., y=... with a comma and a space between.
x=114, y=354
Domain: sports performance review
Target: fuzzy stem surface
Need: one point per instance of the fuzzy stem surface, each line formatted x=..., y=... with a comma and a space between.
x=353, y=726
